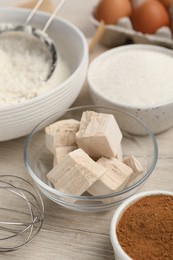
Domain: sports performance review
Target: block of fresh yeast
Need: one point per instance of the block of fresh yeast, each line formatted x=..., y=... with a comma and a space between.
x=61, y=152
x=132, y=162
x=99, y=134
x=76, y=173
x=114, y=179
x=61, y=133
x=119, y=154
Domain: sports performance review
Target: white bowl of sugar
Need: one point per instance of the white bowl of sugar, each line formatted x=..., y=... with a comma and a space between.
x=135, y=78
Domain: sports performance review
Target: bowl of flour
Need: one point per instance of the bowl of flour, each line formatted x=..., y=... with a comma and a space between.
x=28, y=62
x=137, y=79
x=27, y=96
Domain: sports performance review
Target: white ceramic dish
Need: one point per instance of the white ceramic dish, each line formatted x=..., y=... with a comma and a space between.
x=157, y=116
x=18, y=120
x=118, y=251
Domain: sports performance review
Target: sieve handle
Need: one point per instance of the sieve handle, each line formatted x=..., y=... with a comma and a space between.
x=53, y=15
x=35, y=9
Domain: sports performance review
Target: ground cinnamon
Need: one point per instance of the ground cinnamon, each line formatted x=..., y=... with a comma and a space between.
x=145, y=230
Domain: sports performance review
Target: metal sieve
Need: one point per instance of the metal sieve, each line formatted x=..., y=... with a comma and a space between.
x=40, y=34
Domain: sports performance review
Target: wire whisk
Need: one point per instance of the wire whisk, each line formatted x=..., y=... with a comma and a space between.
x=21, y=212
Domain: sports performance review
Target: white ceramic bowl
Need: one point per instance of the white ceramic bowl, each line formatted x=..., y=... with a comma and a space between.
x=118, y=251
x=158, y=116
x=18, y=120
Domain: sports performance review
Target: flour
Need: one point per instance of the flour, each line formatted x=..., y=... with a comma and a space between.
x=135, y=77
x=24, y=66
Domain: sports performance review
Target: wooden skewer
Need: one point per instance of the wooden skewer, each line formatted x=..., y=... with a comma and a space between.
x=97, y=36
x=46, y=6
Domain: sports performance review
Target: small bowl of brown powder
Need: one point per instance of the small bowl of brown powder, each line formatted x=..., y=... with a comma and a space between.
x=142, y=227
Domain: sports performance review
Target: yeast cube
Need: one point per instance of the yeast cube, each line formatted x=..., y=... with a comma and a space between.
x=114, y=179
x=132, y=162
x=76, y=173
x=61, y=133
x=99, y=134
x=61, y=152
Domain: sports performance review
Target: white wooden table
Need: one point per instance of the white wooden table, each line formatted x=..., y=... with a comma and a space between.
x=68, y=235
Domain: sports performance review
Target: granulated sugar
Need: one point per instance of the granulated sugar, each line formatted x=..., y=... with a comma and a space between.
x=24, y=66
x=135, y=77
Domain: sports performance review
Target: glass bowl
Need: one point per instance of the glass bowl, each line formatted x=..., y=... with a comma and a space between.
x=39, y=161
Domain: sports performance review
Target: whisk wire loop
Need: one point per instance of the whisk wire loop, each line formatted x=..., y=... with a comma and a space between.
x=19, y=226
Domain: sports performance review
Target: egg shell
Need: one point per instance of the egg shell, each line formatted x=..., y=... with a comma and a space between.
x=111, y=10
x=171, y=16
x=166, y=3
x=149, y=16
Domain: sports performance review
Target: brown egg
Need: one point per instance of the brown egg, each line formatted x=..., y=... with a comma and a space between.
x=111, y=10
x=149, y=16
x=166, y=3
x=171, y=16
